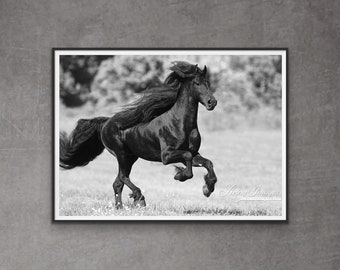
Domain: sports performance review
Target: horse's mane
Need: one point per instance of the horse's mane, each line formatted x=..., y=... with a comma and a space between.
x=156, y=100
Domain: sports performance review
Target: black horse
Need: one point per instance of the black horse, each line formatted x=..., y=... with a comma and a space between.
x=161, y=126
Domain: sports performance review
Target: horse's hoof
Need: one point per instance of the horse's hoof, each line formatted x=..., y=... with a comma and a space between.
x=182, y=176
x=206, y=191
x=179, y=177
x=119, y=206
x=140, y=203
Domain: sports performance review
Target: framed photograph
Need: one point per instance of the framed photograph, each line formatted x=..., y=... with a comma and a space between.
x=170, y=134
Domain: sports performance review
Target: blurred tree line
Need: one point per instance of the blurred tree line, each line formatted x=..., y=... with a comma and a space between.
x=242, y=83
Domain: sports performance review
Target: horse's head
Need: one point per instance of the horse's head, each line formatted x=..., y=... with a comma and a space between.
x=201, y=87
x=198, y=81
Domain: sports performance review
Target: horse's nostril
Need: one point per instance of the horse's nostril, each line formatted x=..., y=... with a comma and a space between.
x=209, y=102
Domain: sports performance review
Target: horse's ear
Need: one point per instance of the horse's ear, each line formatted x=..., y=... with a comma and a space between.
x=197, y=70
x=205, y=70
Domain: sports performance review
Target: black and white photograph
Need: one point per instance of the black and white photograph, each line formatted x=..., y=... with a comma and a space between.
x=170, y=134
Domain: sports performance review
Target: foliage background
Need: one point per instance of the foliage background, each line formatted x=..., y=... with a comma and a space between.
x=248, y=88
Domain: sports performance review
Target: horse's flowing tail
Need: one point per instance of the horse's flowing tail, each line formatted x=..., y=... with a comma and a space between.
x=83, y=145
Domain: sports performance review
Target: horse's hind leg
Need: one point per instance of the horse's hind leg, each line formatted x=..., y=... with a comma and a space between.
x=111, y=138
x=118, y=185
x=210, y=178
x=125, y=165
x=118, y=188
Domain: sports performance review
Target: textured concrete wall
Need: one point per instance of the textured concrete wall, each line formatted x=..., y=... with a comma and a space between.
x=28, y=31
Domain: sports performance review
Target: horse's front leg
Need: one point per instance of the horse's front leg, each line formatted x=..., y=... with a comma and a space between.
x=210, y=178
x=169, y=155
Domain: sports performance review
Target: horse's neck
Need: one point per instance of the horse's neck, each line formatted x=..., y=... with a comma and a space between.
x=186, y=107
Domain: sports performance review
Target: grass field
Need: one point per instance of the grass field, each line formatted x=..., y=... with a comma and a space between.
x=244, y=161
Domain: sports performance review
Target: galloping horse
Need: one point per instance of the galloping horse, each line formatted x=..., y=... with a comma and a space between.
x=160, y=126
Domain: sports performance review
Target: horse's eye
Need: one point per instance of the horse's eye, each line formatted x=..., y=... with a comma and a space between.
x=196, y=83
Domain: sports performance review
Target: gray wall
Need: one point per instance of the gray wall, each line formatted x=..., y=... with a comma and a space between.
x=29, y=29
